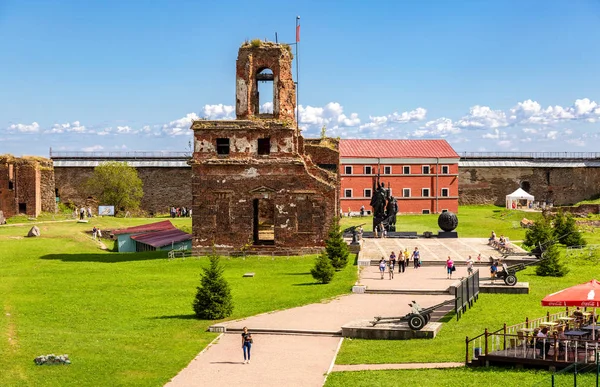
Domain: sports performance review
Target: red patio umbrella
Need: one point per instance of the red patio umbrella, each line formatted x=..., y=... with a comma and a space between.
x=583, y=295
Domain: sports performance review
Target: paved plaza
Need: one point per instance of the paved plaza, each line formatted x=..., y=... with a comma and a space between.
x=432, y=249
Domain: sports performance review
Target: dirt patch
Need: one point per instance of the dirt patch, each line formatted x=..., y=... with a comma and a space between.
x=11, y=329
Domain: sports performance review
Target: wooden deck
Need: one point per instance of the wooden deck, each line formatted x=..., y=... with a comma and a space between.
x=530, y=358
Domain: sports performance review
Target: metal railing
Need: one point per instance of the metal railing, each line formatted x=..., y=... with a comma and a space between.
x=531, y=155
x=120, y=155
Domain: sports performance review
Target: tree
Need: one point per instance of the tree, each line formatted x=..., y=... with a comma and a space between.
x=550, y=265
x=213, y=299
x=540, y=233
x=323, y=271
x=116, y=183
x=323, y=132
x=565, y=230
x=336, y=246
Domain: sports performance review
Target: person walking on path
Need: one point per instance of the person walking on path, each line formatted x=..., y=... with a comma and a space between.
x=246, y=344
x=382, y=266
x=403, y=258
x=469, y=265
x=391, y=269
x=416, y=256
x=81, y=213
x=94, y=232
x=449, y=267
x=393, y=260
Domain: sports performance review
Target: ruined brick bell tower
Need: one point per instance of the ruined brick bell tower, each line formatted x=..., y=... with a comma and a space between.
x=256, y=187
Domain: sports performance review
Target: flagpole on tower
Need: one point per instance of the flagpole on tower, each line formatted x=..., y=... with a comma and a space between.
x=297, y=76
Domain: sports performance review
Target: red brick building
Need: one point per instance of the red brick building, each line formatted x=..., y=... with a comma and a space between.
x=422, y=174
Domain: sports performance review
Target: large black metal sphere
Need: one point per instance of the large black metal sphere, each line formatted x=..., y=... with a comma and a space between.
x=448, y=221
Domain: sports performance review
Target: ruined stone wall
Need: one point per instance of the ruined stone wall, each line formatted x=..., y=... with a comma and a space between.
x=163, y=187
x=8, y=203
x=223, y=204
x=27, y=188
x=561, y=186
x=47, y=186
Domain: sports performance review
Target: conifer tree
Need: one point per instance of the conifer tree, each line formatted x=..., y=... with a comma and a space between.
x=336, y=246
x=566, y=231
x=550, y=264
x=213, y=299
x=323, y=271
x=540, y=233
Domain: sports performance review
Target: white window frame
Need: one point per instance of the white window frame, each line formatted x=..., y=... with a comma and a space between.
x=404, y=191
x=387, y=168
x=428, y=169
x=346, y=169
x=370, y=192
x=447, y=168
x=423, y=192
x=447, y=192
x=426, y=211
x=365, y=170
x=351, y=193
x=404, y=169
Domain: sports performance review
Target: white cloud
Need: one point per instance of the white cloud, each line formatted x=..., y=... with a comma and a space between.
x=385, y=122
x=331, y=115
x=93, y=148
x=267, y=107
x=218, y=112
x=442, y=127
x=482, y=117
x=552, y=135
x=69, y=127
x=181, y=126
x=34, y=127
x=577, y=142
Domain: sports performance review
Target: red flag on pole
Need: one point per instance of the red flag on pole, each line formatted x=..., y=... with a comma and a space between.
x=297, y=33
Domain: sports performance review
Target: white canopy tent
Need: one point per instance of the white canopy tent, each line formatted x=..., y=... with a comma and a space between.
x=519, y=198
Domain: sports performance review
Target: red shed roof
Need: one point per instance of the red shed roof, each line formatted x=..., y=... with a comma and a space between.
x=158, y=226
x=162, y=238
x=396, y=148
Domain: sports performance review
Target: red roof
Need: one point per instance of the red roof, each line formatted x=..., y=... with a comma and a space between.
x=162, y=238
x=396, y=149
x=158, y=226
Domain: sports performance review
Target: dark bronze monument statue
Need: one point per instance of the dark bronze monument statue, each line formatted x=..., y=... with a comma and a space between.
x=385, y=207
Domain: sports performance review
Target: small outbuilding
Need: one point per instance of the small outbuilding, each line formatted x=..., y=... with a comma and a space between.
x=519, y=199
x=150, y=237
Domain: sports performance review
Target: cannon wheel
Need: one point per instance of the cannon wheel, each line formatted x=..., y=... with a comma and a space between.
x=427, y=318
x=416, y=322
x=510, y=280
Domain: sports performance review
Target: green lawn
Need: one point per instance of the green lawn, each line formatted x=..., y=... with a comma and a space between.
x=459, y=377
x=124, y=319
x=473, y=222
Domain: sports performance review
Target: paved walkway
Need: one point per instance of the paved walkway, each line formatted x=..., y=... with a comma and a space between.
x=426, y=277
x=394, y=366
x=276, y=361
x=432, y=249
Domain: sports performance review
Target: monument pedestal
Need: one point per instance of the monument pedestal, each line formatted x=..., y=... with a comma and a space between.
x=447, y=234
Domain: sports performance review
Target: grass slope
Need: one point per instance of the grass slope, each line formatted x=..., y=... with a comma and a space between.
x=125, y=319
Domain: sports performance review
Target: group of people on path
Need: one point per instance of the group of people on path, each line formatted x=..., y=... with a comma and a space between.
x=83, y=212
x=403, y=260
x=180, y=212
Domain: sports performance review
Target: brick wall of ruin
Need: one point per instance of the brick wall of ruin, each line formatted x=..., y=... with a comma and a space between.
x=561, y=186
x=7, y=196
x=27, y=188
x=163, y=187
x=47, y=185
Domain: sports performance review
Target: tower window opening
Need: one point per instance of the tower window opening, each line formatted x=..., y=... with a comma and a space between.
x=265, y=91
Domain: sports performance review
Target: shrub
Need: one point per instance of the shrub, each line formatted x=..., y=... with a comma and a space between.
x=566, y=231
x=256, y=43
x=323, y=271
x=213, y=300
x=550, y=264
x=336, y=247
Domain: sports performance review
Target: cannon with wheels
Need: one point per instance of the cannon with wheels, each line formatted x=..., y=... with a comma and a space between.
x=355, y=232
x=416, y=319
x=508, y=274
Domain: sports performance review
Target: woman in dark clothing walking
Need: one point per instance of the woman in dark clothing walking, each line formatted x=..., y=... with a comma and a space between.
x=246, y=344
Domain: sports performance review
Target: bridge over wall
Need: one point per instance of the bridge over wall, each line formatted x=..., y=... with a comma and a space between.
x=562, y=178
x=166, y=176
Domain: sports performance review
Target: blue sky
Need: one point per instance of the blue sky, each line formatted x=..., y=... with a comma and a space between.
x=131, y=75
